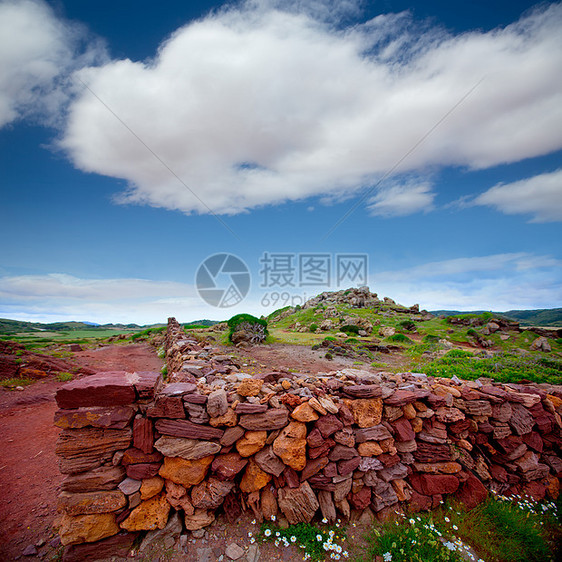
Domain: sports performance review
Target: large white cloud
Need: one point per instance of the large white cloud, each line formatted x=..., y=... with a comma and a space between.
x=37, y=53
x=253, y=106
x=540, y=196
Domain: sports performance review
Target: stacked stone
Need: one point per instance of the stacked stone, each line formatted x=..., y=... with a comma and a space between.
x=350, y=444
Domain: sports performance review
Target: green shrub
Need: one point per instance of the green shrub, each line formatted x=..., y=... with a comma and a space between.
x=313, y=327
x=329, y=338
x=408, y=325
x=329, y=356
x=472, y=332
x=64, y=377
x=247, y=321
x=430, y=338
x=399, y=338
x=350, y=329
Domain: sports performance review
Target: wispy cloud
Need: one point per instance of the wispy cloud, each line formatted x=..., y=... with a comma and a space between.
x=403, y=199
x=539, y=196
x=256, y=105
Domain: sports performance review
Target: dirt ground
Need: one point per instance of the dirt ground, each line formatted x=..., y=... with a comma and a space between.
x=29, y=475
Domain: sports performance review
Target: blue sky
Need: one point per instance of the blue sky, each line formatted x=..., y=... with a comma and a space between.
x=137, y=140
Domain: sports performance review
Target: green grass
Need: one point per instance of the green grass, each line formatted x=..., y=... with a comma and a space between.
x=501, y=367
x=498, y=530
x=65, y=377
x=13, y=382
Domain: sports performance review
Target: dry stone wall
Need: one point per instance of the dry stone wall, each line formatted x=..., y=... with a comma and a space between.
x=143, y=455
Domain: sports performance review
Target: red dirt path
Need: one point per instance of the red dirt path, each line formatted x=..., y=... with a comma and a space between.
x=29, y=474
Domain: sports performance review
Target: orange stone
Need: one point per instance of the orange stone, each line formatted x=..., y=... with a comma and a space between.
x=290, y=445
x=251, y=443
x=254, y=478
x=304, y=413
x=184, y=472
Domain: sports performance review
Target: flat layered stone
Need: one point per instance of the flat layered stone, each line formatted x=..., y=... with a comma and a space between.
x=115, y=546
x=87, y=528
x=432, y=452
x=84, y=449
x=348, y=466
x=185, y=472
x=143, y=434
x=298, y=504
x=363, y=391
x=274, y=418
x=403, y=430
x=102, y=478
x=146, y=383
x=433, y=484
x=375, y=433
x=449, y=415
x=112, y=388
x=341, y=452
x=248, y=408
x=91, y=502
x=179, y=389
x=521, y=420
x=188, y=429
x=149, y=515
x=313, y=467
x=136, y=456
x=395, y=472
x=403, y=397
x=129, y=486
x=166, y=407
x=142, y=471
x=438, y=467
x=111, y=418
x=189, y=449
x=231, y=435
x=200, y=519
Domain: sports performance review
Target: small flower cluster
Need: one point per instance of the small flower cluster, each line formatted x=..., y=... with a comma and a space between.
x=316, y=543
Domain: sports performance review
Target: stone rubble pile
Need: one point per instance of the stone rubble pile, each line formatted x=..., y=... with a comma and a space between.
x=141, y=455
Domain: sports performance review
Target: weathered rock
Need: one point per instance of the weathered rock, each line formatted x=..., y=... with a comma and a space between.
x=521, y=420
x=167, y=536
x=227, y=466
x=197, y=413
x=403, y=430
x=367, y=412
x=177, y=497
x=254, y=478
x=143, y=434
x=189, y=449
x=304, y=413
x=185, y=428
x=313, y=467
x=149, y=515
x=217, y=403
x=112, y=388
x=150, y=487
x=361, y=499
x=136, y=456
x=383, y=495
x=91, y=502
x=251, y=443
x=249, y=387
x=363, y=391
x=110, y=418
x=449, y=415
x=230, y=419
x=375, y=433
x=167, y=407
x=269, y=462
x=115, y=546
x=438, y=467
x=274, y=418
x=198, y=520
x=231, y=435
x=248, y=408
x=234, y=551
x=341, y=452
x=143, y=471
x=403, y=397
x=146, y=383
x=327, y=506
x=393, y=472
x=348, y=466
x=345, y=437
x=298, y=504
x=472, y=492
x=87, y=528
x=369, y=449
x=290, y=445
x=185, y=472
x=84, y=449
x=102, y=478
x=210, y=493
x=432, y=484
x=130, y=486
x=327, y=425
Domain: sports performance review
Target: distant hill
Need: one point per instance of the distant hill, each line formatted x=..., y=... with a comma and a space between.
x=8, y=326
x=539, y=317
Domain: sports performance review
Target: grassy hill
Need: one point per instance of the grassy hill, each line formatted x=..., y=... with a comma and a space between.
x=539, y=317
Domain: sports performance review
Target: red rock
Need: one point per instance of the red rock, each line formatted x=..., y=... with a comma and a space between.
x=313, y=467
x=178, y=389
x=112, y=418
x=383, y=495
x=247, y=408
x=167, y=407
x=226, y=467
x=376, y=433
x=136, y=456
x=521, y=420
x=361, y=499
x=299, y=504
x=534, y=441
x=112, y=388
x=327, y=425
x=274, y=418
x=363, y=391
x=431, y=484
x=459, y=426
x=403, y=397
x=102, y=478
x=498, y=472
x=142, y=471
x=472, y=492
x=419, y=502
x=210, y=493
x=146, y=383
x=231, y=435
x=535, y=490
x=143, y=434
x=345, y=415
x=185, y=428
x=341, y=452
x=116, y=546
x=389, y=460
x=403, y=430
x=347, y=467
x=314, y=438
x=194, y=399
x=322, y=451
